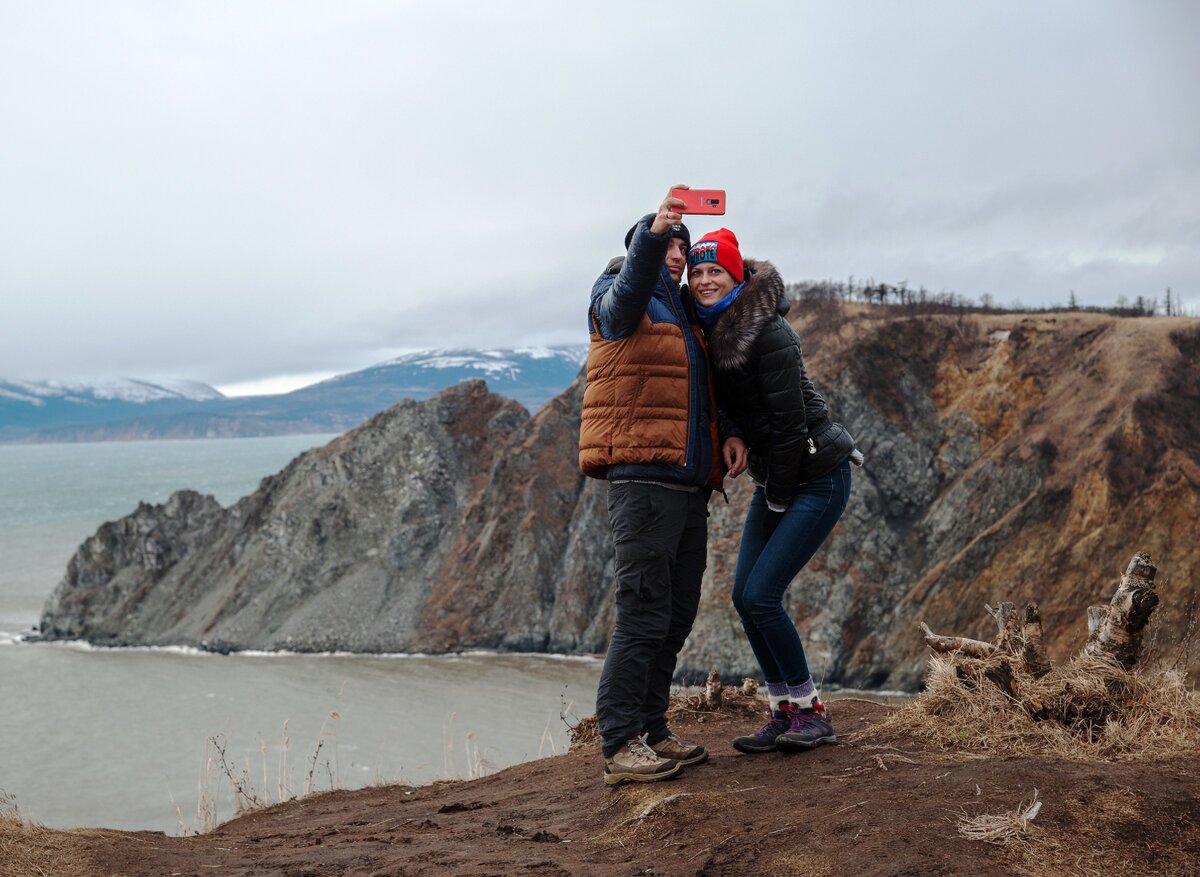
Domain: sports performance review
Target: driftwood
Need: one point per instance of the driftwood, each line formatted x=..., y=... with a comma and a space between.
x=1083, y=691
x=1115, y=630
x=710, y=697
x=973, y=648
x=713, y=690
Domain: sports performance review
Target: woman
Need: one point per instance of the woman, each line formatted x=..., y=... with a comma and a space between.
x=798, y=458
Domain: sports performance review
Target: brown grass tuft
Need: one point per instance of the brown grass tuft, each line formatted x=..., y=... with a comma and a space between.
x=655, y=812
x=734, y=702
x=1126, y=716
x=584, y=733
x=1101, y=826
x=1001, y=829
x=802, y=861
x=31, y=850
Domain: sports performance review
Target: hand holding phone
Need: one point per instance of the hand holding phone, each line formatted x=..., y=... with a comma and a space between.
x=669, y=212
x=703, y=201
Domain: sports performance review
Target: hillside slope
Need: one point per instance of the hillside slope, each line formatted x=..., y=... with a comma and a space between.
x=868, y=808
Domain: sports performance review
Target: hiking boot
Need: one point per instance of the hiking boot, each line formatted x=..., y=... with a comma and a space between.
x=635, y=762
x=673, y=748
x=763, y=740
x=808, y=729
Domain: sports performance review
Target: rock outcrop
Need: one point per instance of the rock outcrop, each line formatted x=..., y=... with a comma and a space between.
x=1008, y=456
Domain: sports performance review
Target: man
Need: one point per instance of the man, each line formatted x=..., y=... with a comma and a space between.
x=649, y=427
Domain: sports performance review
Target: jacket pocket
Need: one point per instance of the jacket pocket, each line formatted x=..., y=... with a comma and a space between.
x=825, y=450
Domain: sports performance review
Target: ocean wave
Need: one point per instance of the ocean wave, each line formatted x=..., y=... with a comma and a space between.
x=80, y=645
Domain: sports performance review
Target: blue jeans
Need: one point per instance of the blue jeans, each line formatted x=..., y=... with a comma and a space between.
x=775, y=547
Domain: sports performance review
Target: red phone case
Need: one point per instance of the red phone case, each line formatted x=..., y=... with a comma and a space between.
x=710, y=201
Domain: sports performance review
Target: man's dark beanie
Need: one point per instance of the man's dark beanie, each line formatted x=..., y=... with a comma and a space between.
x=677, y=231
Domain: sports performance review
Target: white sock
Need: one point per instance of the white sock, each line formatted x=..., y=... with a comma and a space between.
x=804, y=694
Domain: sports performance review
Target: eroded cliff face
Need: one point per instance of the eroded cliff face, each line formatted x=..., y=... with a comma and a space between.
x=1007, y=457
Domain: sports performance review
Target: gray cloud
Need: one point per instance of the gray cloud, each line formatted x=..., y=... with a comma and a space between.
x=227, y=192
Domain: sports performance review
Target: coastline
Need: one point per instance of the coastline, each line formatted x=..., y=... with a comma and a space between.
x=82, y=645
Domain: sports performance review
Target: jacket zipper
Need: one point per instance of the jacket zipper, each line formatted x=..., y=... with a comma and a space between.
x=689, y=347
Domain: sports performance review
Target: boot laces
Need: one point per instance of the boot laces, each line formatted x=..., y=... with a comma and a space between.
x=773, y=724
x=814, y=715
x=640, y=749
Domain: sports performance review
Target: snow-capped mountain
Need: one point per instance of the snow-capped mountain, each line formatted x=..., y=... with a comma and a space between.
x=129, y=408
x=531, y=375
x=38, y=393
x=28, y=408
x=526, y=374
x=495, y=363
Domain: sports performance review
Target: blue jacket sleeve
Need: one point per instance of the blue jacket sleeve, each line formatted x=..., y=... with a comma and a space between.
x=619, y=301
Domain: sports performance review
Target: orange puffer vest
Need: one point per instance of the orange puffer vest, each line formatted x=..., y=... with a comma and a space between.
x=636, y=402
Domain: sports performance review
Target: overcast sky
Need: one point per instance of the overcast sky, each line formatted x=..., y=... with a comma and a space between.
x=233, y=192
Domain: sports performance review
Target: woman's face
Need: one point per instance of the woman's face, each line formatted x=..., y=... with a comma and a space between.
x=709, y=283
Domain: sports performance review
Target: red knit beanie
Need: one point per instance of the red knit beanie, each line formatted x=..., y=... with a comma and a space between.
x=720, y=246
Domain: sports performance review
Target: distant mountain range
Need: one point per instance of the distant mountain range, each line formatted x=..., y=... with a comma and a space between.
x=123, y=409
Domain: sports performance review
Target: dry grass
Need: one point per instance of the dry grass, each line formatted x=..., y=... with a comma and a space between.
x=643, y=813
x=584, y=733
x=1001, y=829
x=31, y=850
x=1126, y=716
x=1105, y=828
x=800, y=862
x=734, y=702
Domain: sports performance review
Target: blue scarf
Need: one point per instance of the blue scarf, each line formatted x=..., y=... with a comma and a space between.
x=709, y=315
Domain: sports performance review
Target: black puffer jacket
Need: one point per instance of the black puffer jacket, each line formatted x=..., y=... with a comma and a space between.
x=762, y=385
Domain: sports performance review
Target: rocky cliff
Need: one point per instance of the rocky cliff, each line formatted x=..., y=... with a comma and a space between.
x=1008, y=456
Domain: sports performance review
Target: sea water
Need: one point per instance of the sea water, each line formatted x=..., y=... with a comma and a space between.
x=156, y=738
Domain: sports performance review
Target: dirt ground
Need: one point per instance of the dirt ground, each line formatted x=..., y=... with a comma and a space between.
x=863, y=807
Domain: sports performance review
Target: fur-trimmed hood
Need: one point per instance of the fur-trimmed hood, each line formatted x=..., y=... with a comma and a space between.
x=732, y=338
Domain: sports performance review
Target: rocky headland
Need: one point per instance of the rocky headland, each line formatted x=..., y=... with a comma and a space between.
x=1008, y=457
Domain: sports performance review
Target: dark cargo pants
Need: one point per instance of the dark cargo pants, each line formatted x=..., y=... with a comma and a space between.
x=661, y=536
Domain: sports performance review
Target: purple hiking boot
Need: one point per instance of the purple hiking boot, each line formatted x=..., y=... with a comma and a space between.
x=808, y=728
x=763, y=740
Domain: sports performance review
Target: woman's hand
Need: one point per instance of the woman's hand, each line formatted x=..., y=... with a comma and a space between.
x=668, y=213
x=736, y=456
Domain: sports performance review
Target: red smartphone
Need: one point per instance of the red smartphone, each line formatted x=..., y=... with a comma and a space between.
x=710, y=201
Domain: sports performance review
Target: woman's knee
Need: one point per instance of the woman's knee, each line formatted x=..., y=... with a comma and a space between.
x=741, y=602
x=757, y=605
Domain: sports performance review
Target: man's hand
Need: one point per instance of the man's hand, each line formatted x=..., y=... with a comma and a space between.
x=736, y=456
x=668, y=213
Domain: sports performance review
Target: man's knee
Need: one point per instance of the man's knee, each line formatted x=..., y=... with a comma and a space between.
x=645, y=634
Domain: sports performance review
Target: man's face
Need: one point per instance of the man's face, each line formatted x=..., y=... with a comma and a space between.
x=676, y=258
